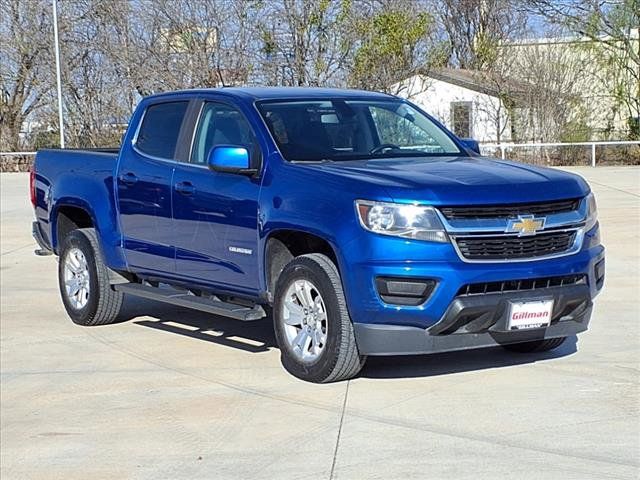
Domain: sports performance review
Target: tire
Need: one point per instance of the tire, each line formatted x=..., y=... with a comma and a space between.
x=333, y=355
x=98, y=303
x=535, y=346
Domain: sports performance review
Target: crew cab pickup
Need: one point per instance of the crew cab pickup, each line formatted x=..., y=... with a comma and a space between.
x=354, y=219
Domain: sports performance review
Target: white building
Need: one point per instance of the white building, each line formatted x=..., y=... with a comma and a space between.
x=558, y=89
x=467, y=102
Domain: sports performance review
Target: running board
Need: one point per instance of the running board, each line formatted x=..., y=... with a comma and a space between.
x=178, y=297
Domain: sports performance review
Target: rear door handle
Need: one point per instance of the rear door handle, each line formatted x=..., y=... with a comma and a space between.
x=128, y=178
x=185, y=188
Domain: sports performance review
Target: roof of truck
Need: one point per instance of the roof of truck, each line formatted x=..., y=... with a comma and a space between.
x=273, y=93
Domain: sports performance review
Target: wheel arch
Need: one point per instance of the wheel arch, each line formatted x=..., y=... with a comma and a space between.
x=69, y=215
x=284, y=244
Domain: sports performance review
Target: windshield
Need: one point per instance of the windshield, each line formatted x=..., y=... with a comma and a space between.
x=337, y=129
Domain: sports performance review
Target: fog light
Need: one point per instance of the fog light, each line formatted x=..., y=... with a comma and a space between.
x=404, y=291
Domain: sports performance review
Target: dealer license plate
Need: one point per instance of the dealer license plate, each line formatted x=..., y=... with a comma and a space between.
x=526, y=315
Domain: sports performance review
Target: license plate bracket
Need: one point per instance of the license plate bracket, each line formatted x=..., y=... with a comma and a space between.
x=527, y=315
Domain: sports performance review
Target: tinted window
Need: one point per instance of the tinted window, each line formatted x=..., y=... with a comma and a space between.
x=158, y=134
x=220, y=125
x=339, y=129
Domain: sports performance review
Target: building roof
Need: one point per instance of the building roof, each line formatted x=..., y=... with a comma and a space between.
x=489, y=83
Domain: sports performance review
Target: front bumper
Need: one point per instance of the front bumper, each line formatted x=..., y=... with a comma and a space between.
x=390, y=258
x=450, y=319
x=479, y=321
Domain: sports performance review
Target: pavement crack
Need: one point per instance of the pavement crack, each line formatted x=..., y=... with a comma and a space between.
x=614, y=188
x=335, y=451
x=17, y=249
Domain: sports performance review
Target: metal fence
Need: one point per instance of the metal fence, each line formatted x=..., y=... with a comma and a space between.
x=549, y=154
x=568, y=153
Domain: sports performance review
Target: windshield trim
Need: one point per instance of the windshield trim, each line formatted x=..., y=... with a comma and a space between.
x=389, y=99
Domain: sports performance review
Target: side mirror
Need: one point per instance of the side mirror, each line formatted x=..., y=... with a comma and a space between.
x=230, y=159
x=471, y=144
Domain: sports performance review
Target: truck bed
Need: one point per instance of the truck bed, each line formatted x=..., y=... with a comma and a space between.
x=72, y=177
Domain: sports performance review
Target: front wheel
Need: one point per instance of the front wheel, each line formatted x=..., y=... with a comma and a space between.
x=312, y=324
x=84, y=280
x=535, y=346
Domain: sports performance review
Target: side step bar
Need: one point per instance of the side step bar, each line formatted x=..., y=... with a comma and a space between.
x=178, y=297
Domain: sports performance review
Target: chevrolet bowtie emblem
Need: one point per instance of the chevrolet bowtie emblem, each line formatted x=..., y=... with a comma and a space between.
x=525, y=225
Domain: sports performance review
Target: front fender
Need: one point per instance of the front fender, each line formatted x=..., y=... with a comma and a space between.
x=303, y=199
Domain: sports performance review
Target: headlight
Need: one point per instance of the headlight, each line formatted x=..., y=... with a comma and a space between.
x=592, y=212
x=401, y=220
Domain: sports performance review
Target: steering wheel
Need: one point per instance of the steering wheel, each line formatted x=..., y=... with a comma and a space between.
x=384, y=146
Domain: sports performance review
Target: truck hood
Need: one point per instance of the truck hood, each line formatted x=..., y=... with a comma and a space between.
x=459, y=180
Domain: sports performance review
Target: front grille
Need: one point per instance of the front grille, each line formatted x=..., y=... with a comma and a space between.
x=502, y=247
x=510, y=211
x=520, y=285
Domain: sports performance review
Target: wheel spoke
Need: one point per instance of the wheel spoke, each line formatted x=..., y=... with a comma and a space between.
x=73, y=285
x=76, y=299
x=317, y=341
x=300, y=343
x=296, y=313
x=78, y=260
x=73, y=264
x=303, y=292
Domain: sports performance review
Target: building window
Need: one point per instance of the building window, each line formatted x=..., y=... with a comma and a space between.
x=461, y=119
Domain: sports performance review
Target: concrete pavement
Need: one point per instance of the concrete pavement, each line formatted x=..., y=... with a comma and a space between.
x=174, y=394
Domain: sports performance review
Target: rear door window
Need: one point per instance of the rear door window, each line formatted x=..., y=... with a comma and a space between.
x=158, y=134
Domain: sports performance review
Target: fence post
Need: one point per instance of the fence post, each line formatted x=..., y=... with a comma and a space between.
x=593, y=154
x=502, y=151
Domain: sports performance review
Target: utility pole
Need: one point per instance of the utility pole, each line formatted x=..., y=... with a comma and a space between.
x=57, y=50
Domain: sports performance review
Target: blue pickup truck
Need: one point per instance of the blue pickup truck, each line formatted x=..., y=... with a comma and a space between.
x=353, y=218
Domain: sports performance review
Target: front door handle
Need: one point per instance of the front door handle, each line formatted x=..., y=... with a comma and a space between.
x=128, y=178
x=185, y=188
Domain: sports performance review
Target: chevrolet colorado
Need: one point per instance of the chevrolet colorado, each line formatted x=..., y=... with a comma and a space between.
x=358, y=220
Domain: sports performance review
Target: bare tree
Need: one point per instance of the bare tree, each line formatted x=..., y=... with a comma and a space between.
x=548, y=104
x=96, y=109
x=25, y=53
x=304, y=42
x=613, y=45
x=475, y=28
x=181, y=41
x=392, y=42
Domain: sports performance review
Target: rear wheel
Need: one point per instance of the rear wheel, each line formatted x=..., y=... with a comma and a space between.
x=312, y=324
x=83, y=279
x=535, y=346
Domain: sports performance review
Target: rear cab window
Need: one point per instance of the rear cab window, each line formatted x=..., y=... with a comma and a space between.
x=160, y=128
